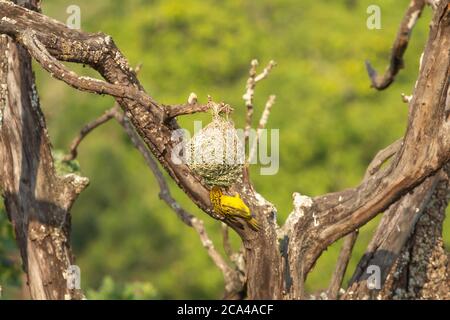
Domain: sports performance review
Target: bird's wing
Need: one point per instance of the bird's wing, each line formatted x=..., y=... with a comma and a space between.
x=235, y=203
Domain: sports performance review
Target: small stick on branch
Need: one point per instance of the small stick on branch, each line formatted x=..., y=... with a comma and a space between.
x=73, y=152
x=401, y=43
x=226, y=241
x=341, y=266
x=262, y=124
x=192, y=106
x=250, y=91
x=218, y=260
x=248, y=98
x=266, y=71
x=382, y=156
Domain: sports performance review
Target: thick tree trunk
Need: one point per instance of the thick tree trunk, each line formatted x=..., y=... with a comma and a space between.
x=36, y=199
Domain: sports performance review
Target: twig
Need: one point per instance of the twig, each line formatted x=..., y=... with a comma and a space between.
x=382, y=156
x=341, y=265
x=192, y=106
x=266, y=71
x=401, y=43
x=262, y=123
x=218, y=260
x=226, y=241
x=250, y=91
x=248, y=98
x=73, y=152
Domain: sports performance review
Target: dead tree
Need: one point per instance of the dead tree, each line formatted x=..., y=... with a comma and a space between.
x=407, y=181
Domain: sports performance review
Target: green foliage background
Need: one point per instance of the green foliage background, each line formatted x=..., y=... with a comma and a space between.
x=128, y=243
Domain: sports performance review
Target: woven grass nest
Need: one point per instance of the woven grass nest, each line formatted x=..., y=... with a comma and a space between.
x=216, y=152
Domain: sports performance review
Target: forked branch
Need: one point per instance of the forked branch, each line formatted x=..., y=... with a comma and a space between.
x=400, y=44
x=252, y=80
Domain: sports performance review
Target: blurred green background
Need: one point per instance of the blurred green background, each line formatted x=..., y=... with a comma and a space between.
x=128, y=243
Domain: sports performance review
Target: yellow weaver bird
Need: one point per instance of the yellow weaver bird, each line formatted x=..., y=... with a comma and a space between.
x=231, y=207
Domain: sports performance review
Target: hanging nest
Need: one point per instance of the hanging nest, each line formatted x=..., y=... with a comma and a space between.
x=216, y=152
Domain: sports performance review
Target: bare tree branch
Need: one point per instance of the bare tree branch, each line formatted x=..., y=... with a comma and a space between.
x=265, y=72
x=226, y=241
x=39, y=52
x=248, y=98
x=105, y=117
x=262, y=123
x=341, y=266
x=401, y=43
x=73, y=152
x=192, y=107
x=250, y=91
x=382, y=156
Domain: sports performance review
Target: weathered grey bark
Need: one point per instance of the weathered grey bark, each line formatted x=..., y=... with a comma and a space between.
x=341, y=266
x=408, y=248
x=394, y=234
x=36, y=199
x=421, y=271
x=278, y=260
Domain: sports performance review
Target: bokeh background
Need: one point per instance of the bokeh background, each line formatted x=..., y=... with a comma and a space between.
x=128, y=243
